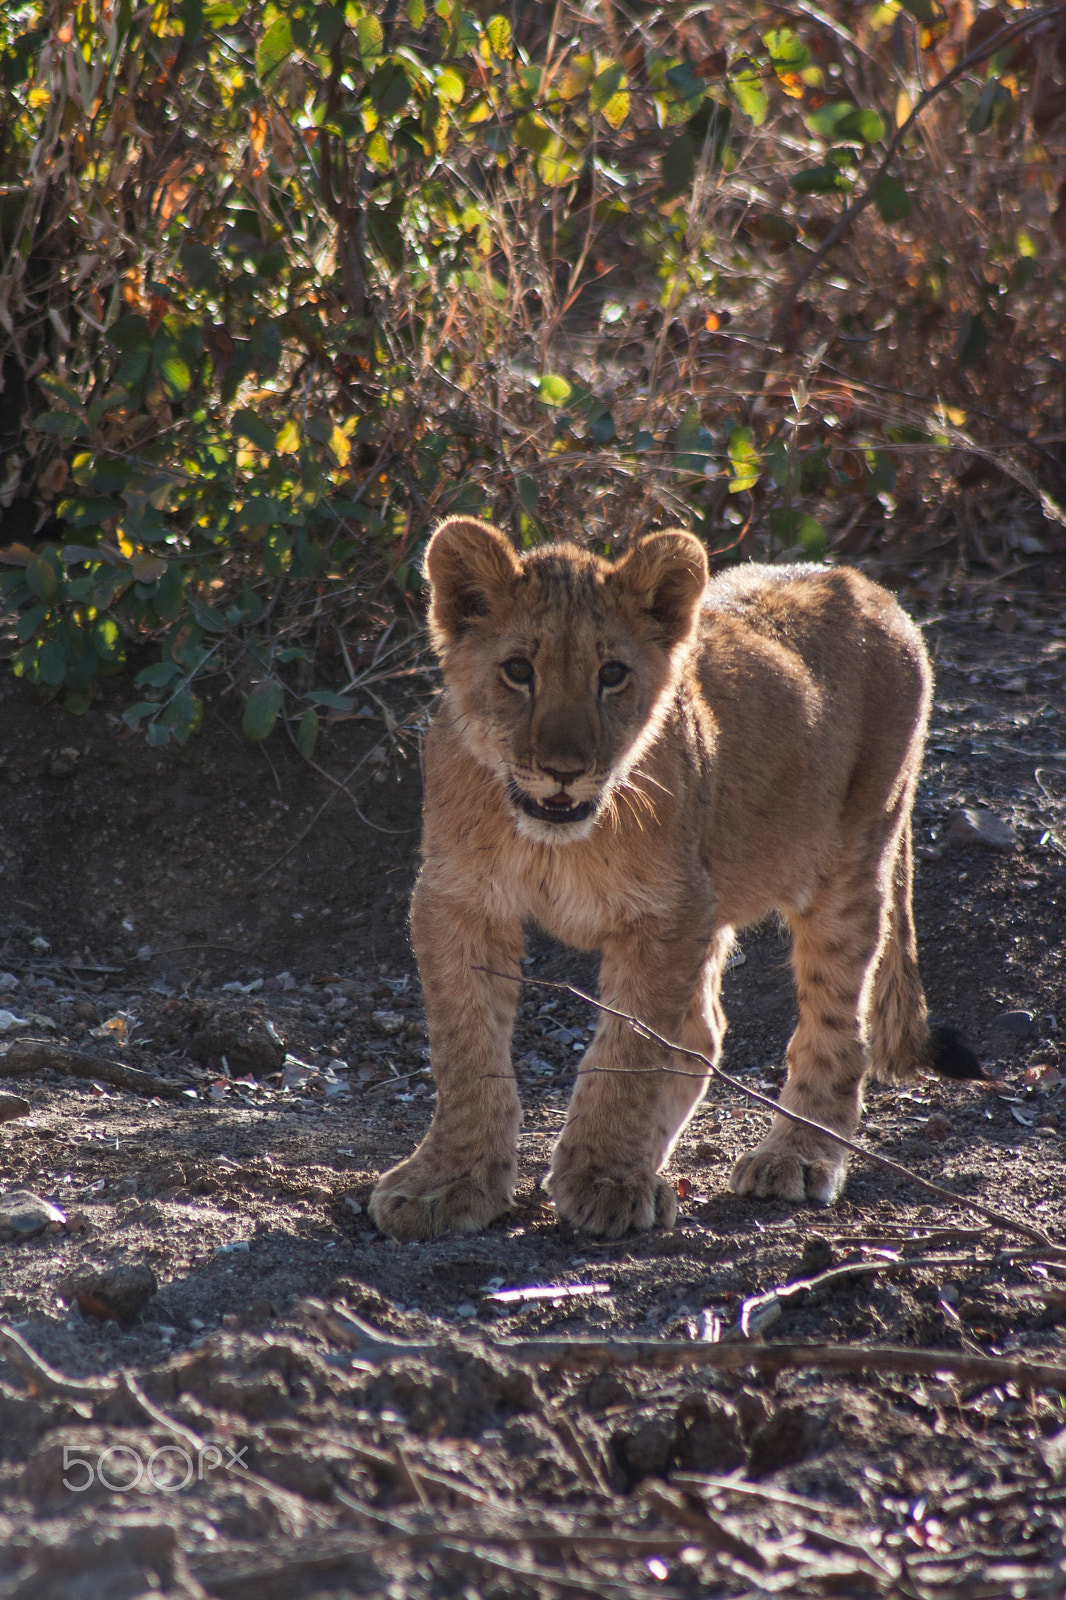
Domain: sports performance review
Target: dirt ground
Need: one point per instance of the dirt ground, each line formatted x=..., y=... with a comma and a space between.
x=217, y=1379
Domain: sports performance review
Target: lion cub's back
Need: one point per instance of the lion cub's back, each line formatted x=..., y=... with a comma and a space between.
x=829, y=629
x=819, y=685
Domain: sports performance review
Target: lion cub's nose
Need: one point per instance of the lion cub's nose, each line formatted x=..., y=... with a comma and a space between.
x=562, y=776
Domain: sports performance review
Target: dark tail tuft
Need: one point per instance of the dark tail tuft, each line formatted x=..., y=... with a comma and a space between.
x=950, y=1054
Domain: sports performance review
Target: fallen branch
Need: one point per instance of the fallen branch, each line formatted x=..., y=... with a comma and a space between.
x=27, y=1056
x=340, y=1326
x=1053, y=1251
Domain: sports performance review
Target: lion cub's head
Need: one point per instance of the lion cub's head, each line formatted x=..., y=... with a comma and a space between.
x=559, y=665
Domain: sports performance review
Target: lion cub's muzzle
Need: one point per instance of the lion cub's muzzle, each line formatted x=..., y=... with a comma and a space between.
x=559, y=808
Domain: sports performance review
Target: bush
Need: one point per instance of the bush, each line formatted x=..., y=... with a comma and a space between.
x=282, y=284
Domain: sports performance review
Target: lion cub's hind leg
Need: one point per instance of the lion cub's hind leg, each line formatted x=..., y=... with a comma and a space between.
x=837, y=943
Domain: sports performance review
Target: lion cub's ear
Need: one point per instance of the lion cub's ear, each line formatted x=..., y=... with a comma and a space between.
x=470, y=566
x=665, y=574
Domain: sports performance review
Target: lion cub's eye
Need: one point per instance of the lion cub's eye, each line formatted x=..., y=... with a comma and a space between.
x=613, y=673
x=518, y=671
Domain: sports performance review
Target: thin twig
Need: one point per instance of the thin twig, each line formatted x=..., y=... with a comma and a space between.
x=1056, y=1252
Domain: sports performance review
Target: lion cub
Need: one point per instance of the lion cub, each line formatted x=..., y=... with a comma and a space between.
x=642, y=762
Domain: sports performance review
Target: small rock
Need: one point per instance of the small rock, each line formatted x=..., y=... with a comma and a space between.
x=9, y=1021
x=8, y=981
x=972, y=825
x=388, y=1023
x=818, y=1255
x=1053, y=1451
x=12, y=1106
x=117, y=1293
x=23, y=1215
x=297, y=1073
x=87, y=1012
x=1020, y=1023
x=937, y=1127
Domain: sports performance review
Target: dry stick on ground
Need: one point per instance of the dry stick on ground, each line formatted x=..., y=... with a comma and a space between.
x=984, y=51
x=340, y=1326
x=26, y=1056
x=1053, y=1251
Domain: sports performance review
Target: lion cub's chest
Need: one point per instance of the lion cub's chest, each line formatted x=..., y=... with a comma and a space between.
x=581, y=893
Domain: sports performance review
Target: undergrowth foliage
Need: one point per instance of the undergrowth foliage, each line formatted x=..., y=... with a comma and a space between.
x=283, y=283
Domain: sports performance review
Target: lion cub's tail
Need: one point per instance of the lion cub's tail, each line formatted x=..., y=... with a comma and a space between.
x=902, y=1040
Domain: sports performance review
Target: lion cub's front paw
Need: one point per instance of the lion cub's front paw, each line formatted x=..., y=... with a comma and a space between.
x=611, y=1202
x=417, y=1200
x=782, y=1170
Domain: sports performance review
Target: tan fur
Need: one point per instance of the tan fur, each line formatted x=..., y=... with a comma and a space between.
x=760, y=755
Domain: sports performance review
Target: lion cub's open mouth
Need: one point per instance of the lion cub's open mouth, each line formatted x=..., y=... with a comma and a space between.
x=559, y=807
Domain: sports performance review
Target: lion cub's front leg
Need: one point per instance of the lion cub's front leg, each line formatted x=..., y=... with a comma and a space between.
x=632, y=1098
x=462, y=1175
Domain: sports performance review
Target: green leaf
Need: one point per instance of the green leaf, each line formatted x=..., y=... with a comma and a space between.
x=261, y=710
x=329, y=699
x=554, y=390
x=42, y=579
x=416, y=13
x=498, y=33
x=182, y=716
x=786, y=50
x=982, y=114
x=307, y=733
x=606, y=85
x=371, y=41
x=274, y=48
x=892, y=200
x=601, y=427
x=863, y=124
x=532, y=133
x=51, y=663
x=260, y=511
x=250, y=425
x=825, y=120
x=64, y=423
x=175, y=377
x=158, y=675
x=131, y=334
x=89, y=510
x=750, y=95
x=108, y=643
x=744, y=464
x=693, y=445
x=135, y=713
x=820, y=180
x=57, y=389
